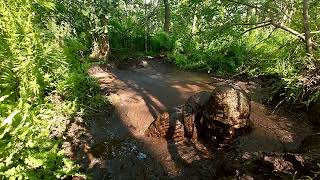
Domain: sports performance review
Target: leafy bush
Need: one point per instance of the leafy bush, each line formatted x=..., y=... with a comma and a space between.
x=221, y=56
x=26, y=150
x=264, y=51
x=80, y=87
x=161, y=42
x=39, y=59
x=126, y=34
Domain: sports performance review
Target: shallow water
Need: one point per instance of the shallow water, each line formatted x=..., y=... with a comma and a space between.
x=140, y=94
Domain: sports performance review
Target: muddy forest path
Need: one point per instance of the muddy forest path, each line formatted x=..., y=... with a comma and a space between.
x=111, y=144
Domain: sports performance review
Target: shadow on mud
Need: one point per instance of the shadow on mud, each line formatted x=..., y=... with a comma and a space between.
x=109, y=142
x=106, y=149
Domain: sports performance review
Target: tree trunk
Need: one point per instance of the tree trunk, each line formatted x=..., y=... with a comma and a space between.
x=166, y=26
x=306, y=25
x=146, y=26
x=317, y=21
x=194, y=23
x=250, y=12
x=104, y=46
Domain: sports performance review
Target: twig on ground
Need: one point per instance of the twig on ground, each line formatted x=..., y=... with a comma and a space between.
x=280, y=103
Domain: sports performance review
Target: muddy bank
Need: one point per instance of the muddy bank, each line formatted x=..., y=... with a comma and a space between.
x=112, y=145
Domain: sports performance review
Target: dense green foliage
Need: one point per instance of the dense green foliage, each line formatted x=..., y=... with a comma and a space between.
x=230, y=37
x=221, y=44
x=39, y=62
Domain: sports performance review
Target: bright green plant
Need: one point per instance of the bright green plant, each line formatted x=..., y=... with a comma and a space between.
x=39, y=59
x=161, y=42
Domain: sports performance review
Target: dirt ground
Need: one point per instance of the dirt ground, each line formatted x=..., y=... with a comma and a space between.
x=111, y=144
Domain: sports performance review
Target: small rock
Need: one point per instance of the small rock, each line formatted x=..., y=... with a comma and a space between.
x=144, y=63
x=247, y=156
x=279, y=164
x=141, y=156
x=113, y=154
x=134, y=148
x=246, y=177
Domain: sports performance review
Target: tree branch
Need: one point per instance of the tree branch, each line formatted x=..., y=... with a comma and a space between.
x=283, y=11
x=265, y=38
x=314, y=32
x=286, y=28
x=306, y=25
x=256, y=27
x=305, y=37
x=249, y=24
x=301, y=36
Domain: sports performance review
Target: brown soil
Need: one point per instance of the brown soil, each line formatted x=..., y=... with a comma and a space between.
x=112, y=145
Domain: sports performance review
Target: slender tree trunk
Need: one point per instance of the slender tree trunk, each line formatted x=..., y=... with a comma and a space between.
x=104, y=47
x=317, y=22
x=166, y=26
x=194, y=23
x=146, y=26
x=306, y=25
x=249, y=18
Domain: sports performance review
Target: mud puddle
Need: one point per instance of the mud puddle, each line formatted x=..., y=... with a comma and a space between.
x=139, y=94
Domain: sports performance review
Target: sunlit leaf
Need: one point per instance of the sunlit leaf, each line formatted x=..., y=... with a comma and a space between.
x=9, y=119
x=2, y=98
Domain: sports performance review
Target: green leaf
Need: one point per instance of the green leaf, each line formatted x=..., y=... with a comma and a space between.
x=34, y=162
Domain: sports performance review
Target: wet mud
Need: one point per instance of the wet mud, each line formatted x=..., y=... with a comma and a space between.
x=112, y=145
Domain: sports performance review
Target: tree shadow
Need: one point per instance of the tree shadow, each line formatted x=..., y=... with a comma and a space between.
x=109, y=147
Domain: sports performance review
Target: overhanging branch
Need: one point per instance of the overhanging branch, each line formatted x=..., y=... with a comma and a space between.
x=288, y=29
x=249, y=24
x=314, y=32
x=265, y=38
x=256, y=27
